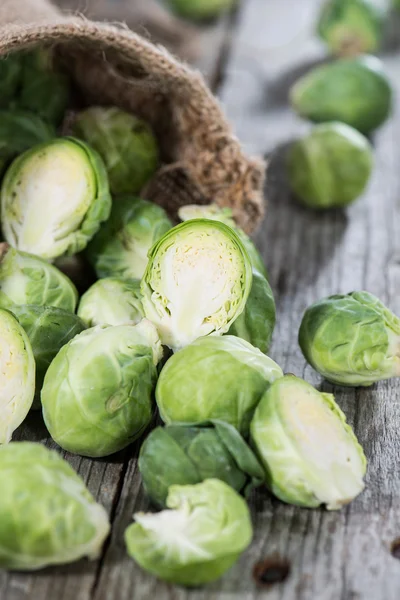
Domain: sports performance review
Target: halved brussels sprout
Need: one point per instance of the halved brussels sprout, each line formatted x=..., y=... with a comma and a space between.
x=47, y=515
x=27, y=279
x=17, y=367
x=97, y=392
x=200, y=10
x=10, y=77
x=351, y=27
x=215, y=378
x=183, y=455
x=54, y=198
x=331, y=166
x=257, y=322
x=351, y=339
x=310, y=454
x=20, y=130
x=112, y=301
x=44, y=89
x=48, y=329
x=203, y=534
x=355, y=91
x=197, y=281
x=125, y=142
x=120, y=249
x=213, y=212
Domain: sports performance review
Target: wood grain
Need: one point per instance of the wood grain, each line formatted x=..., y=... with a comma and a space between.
x=333, y=556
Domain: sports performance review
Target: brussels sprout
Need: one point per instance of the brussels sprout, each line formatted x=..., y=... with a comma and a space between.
x=351, y=339
x=330, y=167
x=49, y=329
x=215, y=378
x=224, y=215
x=10, y=78
x=257, y=322
x=310, y=454
x=97, y=393
x=355, y=91
x=47, y=515
x=126, y=144
x=112, y=301
x=121, y=247
x=54, y=197
x=200, y=10
x=197, y=281
x=351, y=27
x=180, y=455
x=17, y=366
x=203, y=534
x=20, y=130
x=27, y=279
x=45, y=91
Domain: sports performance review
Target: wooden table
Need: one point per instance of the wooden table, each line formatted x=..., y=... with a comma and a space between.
x=343, y=555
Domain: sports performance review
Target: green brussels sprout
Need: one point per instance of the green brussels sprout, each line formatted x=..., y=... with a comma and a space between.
x=126, y=144
x=27, y=279
x=10, y=77
x=17, y=377
x=20, y=130
x=355, y=91
x=200, y=10
x=310, y=454
x=224, y=215
x=44, y=90
x=257, y=322
x=330, y=167
x=215, y=378
x=197, y=282
x=351, y=339
x=48, y=329
x=54, y=197
x=213, y=451
x=203, y=534
x=97, y=392
x=351, y=27
x=47, y=515
x=112, y=301
x=120, y=249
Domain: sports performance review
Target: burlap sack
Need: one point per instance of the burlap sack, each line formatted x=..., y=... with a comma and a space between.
x=112, y=66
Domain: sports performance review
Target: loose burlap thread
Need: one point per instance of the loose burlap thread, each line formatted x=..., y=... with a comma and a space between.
x=203, y=161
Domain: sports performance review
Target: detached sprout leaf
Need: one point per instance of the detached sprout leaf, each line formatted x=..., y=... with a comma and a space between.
x=64, y=209
x=355, y=91
x=184, y=455
x=10, y=77
x=215, y=378
x=97, y=393
x=197, y=282
x=121, y=247
x=48, y=329
x=47, y=515
x=203, y=534
x=17, y=367
x=27, y=279
x=112, y=301
x=126, y=144
x=310, y=454
x=351, y=27
x=351, y=339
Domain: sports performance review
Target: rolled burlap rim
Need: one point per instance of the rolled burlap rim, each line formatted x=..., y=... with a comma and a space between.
x=110, y=65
